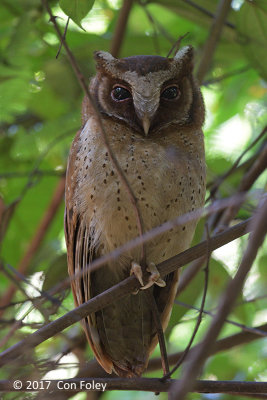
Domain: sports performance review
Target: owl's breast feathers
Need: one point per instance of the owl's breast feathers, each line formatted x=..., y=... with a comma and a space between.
x=167, y=175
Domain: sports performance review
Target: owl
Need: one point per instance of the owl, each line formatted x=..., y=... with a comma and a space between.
x=152, y=112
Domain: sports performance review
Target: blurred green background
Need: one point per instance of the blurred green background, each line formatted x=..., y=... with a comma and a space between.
x=40, y=101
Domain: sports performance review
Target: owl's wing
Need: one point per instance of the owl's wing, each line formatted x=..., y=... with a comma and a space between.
x=80, y=253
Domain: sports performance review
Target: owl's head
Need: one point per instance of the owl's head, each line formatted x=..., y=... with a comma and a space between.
x=148, y=92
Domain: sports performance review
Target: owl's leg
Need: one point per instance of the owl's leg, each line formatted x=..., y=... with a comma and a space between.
x=154, y=278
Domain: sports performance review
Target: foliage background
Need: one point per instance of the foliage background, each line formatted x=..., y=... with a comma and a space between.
x=40, y=111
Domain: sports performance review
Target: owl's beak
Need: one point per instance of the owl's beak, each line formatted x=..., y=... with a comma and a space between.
x=146, y=124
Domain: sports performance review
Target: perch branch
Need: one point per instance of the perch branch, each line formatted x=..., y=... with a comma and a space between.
x=119, y=291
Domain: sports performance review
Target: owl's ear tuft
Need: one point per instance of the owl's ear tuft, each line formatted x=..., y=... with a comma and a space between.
x=104, y=59
x=185, y=56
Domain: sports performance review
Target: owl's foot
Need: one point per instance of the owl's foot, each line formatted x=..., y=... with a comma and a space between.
x=154, y=278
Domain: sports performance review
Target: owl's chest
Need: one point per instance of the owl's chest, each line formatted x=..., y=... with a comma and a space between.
x=162, y=177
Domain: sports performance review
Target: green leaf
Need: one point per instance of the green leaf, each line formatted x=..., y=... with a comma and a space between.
x=56, y=272
x=218, y=278
x=251, y=26
x=263, y=267
x=188, y=296
x=76, y=9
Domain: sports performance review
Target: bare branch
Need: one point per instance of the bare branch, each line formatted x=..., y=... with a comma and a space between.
x=120, y=28
x=119, y=291
x=145, y=384
x=199, y=356
x=214, y=36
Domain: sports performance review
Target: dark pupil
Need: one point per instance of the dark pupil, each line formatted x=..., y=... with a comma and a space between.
x=120, y=93
x=170, y=93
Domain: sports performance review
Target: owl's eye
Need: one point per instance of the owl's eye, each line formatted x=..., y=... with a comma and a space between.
x=170, y=93
x=119, y=93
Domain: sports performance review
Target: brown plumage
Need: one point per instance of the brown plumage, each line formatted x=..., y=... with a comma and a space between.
x=152, y=112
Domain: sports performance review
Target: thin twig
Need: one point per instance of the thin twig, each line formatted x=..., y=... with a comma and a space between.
x=207, y=12
x=64, y=37
x=176, y=45
x=226, y=76
x=154, y=26
x=219, y=180
x=246, y=183
x=244, y=328
x=24, y=174
x=157, y=25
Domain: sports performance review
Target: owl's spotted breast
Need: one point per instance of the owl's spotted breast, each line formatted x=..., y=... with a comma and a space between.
x=162, y=173
x=152, y=115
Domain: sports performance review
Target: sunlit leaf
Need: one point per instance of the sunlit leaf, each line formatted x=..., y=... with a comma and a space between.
x=76, y=9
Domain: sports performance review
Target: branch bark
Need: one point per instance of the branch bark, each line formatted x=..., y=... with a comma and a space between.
x=119, y=291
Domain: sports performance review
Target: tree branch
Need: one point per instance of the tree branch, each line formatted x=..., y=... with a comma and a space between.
x=214, y=36
x=119, y=291
x=145, y=384
x=120, y=28
x=93, y=369
x=199, y=356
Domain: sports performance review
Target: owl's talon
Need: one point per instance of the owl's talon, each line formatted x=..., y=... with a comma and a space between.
x=137, y=271
x=154, y=278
